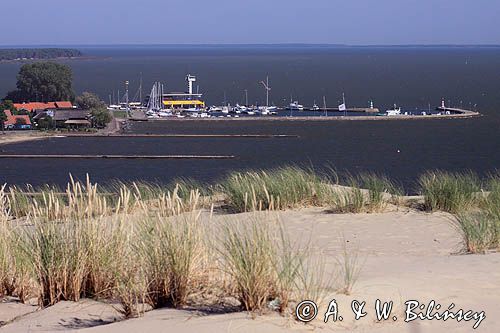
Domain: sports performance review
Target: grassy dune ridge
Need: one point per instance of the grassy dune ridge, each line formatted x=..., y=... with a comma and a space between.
x=145, y=246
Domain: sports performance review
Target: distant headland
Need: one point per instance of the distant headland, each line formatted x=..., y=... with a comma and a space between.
x=18, y=54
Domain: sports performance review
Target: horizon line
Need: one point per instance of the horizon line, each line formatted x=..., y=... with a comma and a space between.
x=241, y=45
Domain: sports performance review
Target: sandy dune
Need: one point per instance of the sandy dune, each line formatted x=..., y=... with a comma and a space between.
x=406, y=255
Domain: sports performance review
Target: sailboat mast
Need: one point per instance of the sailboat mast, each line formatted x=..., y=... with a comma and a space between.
x=324, y=106
x=267, y=90
x=140, y=89
x=345, y=106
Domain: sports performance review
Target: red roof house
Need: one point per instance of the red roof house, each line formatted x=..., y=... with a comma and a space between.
x=17, y=121
x=30, y=107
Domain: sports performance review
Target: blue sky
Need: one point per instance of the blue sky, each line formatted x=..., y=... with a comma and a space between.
x=356, y=22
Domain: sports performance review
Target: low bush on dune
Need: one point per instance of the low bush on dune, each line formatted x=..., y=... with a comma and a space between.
x=450, y=192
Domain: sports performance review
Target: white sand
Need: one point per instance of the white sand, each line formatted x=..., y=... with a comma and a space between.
x=407, y=255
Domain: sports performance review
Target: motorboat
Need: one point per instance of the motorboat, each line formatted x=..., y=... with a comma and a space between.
x=240, y=108
x=395, y=111
x=164, y=114
x=295, y=106
x=214, y=108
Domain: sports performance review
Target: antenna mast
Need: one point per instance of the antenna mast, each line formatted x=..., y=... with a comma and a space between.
x=266, y=85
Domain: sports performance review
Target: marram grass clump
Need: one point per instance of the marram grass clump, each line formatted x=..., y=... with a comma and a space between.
x=365, y=193
x=450, y=192
x=480, y=229
x=282, y=188
x=263, y=263
x=172, y=252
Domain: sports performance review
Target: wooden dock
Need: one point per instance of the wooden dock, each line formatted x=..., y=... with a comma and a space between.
x=136, y=157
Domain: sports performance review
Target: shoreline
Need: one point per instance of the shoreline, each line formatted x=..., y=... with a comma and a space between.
x=22, y=136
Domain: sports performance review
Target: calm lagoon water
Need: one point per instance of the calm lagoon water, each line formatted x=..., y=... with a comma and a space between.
x=411, y=77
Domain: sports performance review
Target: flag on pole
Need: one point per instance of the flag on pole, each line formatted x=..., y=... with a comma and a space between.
x=342, y=107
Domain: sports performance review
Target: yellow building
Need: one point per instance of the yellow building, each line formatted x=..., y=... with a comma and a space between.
x=183, y=101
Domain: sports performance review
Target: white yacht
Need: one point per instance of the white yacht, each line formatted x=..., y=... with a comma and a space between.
x=269, y=108
x=295, y=106
x=165, y=113
x=214, y=108
x=393, y=112
x=315, y=107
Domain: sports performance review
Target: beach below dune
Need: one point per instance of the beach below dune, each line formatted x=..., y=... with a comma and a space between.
x=18, y=136
x=404, y=255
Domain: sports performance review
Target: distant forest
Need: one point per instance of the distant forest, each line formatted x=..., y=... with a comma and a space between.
x=47, y=53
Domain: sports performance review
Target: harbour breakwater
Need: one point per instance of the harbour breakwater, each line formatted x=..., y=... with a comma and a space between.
x=445, y=113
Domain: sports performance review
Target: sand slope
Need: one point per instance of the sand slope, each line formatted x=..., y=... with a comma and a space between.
x=406, y=255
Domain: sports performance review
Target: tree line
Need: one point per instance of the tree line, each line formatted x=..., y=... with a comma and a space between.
x=48, y=82
x=46, y=53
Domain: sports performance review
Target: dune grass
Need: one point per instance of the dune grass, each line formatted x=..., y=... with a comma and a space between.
x=143, y=243
x=248, y=252
x=172, y=252
x=365, y=193
x=288, y=187
x=480, y=229
x=264, y=264
x=450, y=192
x=349, y=269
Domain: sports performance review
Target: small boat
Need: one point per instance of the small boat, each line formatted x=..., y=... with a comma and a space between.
x=315, y=107
x=113, y=107
x=164, y=114
x=240, y=108
x=225, y=109
x=295, y=106
x=192, y=110
x=214, y=108
x=395, y=111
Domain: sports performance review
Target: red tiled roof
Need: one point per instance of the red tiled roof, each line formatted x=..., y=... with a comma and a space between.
x=12, y=119
x=64, y=105
x=41, y=106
